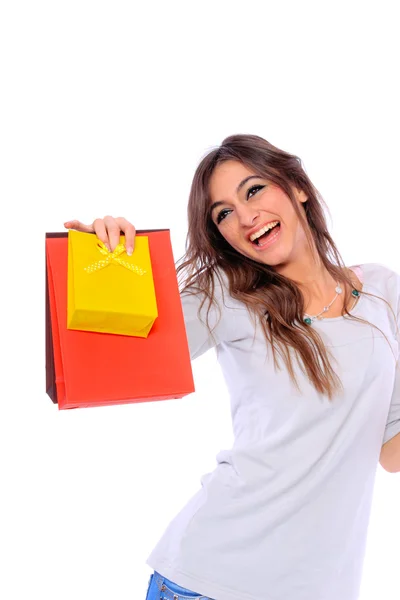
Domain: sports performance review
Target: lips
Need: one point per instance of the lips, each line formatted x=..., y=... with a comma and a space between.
x=259, y=228
x=266, y=241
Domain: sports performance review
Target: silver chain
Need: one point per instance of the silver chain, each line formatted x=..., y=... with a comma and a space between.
x=338, y=291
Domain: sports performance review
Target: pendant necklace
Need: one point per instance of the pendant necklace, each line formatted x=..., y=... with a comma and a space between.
x=309, y=319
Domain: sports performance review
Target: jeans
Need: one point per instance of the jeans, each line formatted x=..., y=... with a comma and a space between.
x=161, y=588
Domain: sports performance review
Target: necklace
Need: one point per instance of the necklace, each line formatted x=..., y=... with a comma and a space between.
x=309, y=319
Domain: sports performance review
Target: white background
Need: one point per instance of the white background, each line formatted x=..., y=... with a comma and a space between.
x=107, y=108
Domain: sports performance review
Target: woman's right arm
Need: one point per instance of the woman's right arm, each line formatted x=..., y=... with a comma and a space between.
x=199, y=337
x=108, y=230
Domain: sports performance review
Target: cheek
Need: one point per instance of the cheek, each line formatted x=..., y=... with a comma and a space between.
x=291, y=219
x=226, y=233
x=229, y=239
x=229, y=232
x=236, y=242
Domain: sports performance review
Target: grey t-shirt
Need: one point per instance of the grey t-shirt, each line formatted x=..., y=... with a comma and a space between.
x=285, y=513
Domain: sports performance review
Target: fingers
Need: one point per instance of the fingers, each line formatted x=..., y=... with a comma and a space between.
x=113, y=231
x=129, y=232
x=102, y=233
x=79, y=226
x=108, y=230
x=114, y=228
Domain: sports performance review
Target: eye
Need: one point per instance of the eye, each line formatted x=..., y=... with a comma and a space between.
x=225, y=212
x=254, y=187
x=221, y=215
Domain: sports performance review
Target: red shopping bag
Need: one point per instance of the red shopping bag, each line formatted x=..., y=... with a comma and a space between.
x=86, y=369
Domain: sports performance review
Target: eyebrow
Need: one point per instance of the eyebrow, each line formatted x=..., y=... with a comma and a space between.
x=239, y=187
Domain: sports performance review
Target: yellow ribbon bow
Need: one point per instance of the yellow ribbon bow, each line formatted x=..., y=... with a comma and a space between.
x=113, y=257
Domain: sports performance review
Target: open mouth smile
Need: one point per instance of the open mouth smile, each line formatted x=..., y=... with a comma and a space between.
x=266, y=235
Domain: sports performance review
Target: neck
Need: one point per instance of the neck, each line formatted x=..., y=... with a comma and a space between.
x=312, y=278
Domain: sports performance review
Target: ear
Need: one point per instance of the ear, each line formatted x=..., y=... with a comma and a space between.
x=301, y=195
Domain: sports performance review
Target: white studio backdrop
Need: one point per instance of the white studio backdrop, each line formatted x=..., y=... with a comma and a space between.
x=107, y=108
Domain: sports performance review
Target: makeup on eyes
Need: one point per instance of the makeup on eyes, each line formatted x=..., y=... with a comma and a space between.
x=223, y=213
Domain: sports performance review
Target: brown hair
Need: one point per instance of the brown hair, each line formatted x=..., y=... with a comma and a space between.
x=259, y=286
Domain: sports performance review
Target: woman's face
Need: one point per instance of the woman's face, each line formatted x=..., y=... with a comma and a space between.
x=245, y=206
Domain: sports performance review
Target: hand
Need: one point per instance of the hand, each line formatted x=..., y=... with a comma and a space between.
x=108, y=231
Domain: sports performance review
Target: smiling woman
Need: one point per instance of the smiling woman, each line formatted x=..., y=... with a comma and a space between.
x=254, y=210
x=308, y=348
x=239, y=190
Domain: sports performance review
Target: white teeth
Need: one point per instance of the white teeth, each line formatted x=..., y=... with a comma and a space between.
x=263, y=230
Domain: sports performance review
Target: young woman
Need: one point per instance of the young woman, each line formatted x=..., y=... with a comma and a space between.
x=308, y=348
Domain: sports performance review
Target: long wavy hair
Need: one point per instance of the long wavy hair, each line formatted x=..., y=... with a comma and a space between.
x=275, y=300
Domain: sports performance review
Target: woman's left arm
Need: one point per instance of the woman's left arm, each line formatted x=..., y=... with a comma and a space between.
x=390, y=452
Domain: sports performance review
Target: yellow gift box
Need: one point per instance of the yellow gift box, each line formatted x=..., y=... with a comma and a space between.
x=110, y=292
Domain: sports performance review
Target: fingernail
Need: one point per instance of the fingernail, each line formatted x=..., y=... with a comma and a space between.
x=108, y=247
x=129, y=251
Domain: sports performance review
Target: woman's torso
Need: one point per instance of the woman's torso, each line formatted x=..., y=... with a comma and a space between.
x=285, y=512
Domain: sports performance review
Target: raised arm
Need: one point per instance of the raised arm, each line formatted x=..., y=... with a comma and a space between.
x=108, y=230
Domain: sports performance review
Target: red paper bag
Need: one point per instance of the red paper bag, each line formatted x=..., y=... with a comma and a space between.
x=95, y=369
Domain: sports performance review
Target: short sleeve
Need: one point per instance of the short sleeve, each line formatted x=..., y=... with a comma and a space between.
x=393, y=421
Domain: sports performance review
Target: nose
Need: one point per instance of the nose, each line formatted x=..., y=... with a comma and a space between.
x=247, y=215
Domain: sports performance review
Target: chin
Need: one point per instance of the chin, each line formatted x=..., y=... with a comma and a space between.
x=271, y=262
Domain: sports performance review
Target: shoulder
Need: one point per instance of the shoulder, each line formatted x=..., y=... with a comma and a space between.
x=381, y=280
x=378, y=273
x=213, y=310
x=219, y=294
